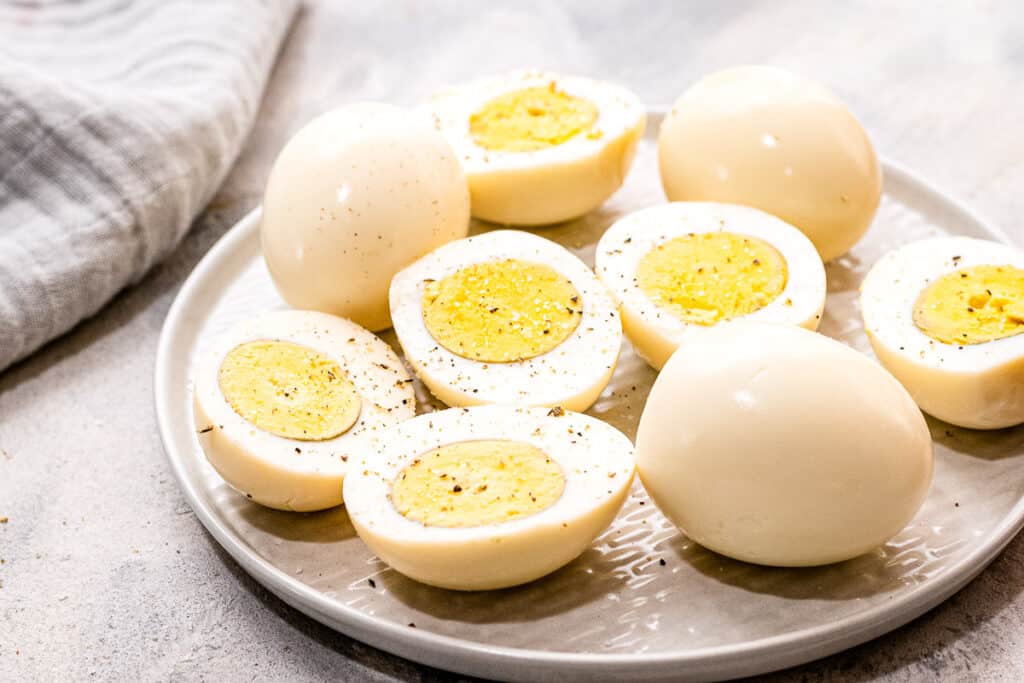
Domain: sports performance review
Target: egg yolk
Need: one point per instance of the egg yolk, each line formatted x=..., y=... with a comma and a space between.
x=474, y=483
x=501, y=311
x=531, y=119
x=705, y=278
x=289, y=390
x=973, y=305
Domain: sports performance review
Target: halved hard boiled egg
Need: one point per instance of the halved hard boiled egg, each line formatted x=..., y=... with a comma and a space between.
x=540, y=148
x=488, y=497
x=681, y=268
x=946, y=317
x=507, y=317
x=283, y=401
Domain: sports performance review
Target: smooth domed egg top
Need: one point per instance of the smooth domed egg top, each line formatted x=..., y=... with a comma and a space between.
x=357, y=194
x=777, y=445
x=768, y=138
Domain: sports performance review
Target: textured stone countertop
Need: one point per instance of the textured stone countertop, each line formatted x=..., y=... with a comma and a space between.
x=105, y=572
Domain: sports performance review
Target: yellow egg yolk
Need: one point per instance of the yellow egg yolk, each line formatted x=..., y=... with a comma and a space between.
x=474, y=483
x=501, y=311
x=531, y=119
x=973, y=305
x=289, y=390
x=705, y=278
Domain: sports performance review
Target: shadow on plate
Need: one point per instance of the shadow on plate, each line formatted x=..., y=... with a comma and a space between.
x=325, y=526
x=995, y=444
x=592, y=576
x=916, y=555
x=845, y=273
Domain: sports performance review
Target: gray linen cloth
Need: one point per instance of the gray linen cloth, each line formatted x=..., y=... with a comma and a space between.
x=118, y=121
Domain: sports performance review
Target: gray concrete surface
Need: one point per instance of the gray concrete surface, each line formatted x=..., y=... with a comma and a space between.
x=104, y=571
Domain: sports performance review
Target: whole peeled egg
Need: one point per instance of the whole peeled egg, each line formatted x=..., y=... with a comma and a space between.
x=768, y=138
x=355, y=196
x=779, y=446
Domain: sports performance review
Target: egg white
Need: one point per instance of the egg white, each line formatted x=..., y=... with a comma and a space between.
x=979, y=386
x=654, y=330
x=555, y=183
x=595, y=458
x=571, y=375
x=294, y=474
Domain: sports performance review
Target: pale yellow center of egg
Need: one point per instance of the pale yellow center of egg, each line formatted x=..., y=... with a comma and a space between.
x=289, y=390
x=973, y=305
x=501, y=311
x=531, y=119
x=474, y=483
x=705, y=278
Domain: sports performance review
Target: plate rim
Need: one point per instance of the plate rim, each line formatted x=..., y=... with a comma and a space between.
x=481, y=659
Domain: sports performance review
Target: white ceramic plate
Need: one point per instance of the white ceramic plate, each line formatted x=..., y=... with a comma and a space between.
x=644, y=602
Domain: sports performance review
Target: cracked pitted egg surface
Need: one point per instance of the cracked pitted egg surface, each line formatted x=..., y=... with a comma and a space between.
x=356, y=195
x=681, y=268
x=488, y=497
x=946, y=317
x=765, y=137
x=540, y=148
x=779, y=446
x=284, y=401
x=507, y=317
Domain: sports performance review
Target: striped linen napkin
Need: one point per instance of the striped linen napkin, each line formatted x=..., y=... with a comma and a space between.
x=118, y=121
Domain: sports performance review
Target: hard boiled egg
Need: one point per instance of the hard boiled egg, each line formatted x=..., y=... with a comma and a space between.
x=776, y=445
x=540, y=148
x=681, y=268
x=488, y=497
x=946, y=317
x=284, y=401
x=771, y=139
x=507, y=317
x=356, y=195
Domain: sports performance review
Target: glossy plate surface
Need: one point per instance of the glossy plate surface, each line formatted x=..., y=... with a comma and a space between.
x=644, y=602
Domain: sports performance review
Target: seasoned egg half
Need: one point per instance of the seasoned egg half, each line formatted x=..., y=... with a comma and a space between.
x=540, y=148
x=507, y=317
x=488, y=497
x=946, y=317
x=681, y=268
x=780, y=446
x=285, y=400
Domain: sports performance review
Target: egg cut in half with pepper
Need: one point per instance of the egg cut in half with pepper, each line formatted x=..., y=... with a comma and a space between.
x=488, y=497
x=507, y=317
x=946, y=316
x=284, y=401
x=681, y=268
x=540, y=148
